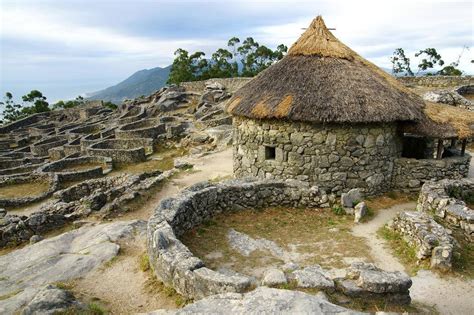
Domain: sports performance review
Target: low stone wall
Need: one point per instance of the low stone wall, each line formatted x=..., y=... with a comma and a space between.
x=132, y=115
x=431, y=240
x=64, y=176
x=410, y=174
x=41, y=148
x=14, y=162
x=176, y=266
x=437, y=81
x=52, y=181
x=22, y=123
x=122, y=150
x=445, y=200
x=20, y=170
x=147, y=128
x=231, y=84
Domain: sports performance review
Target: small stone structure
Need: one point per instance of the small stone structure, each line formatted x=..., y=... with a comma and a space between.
x=145, y=128
x=60, y=168
x=176, y=266
x=51, y=180
x=431, y=240
x=445, y=200
x=437, y=81
x=122, y=150
x=41, y=148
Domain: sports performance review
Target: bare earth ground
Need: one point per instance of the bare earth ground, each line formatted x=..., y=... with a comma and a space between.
x=121, y=284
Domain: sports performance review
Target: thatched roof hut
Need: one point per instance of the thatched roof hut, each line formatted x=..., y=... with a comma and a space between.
x=322, y=80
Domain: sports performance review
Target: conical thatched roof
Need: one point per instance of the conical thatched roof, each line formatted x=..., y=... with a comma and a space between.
x=323, y=80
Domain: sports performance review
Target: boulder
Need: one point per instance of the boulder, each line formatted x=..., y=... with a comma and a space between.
x=263, y=300
x=273, y=277
x=61, y=258
x=52, y=300
x=351, y=198
x=360, y=210
x=313, y=277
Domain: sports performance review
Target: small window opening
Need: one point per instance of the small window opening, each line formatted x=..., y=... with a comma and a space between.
x=270, y=153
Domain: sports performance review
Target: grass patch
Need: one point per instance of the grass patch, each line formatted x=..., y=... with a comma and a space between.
x=402, y=250
x=154, y=286
x=36, y=188
x=144, y=262
x=463, y=258
x=95, y=309
x=64, y=285
x=305, y=233
x=389, y=200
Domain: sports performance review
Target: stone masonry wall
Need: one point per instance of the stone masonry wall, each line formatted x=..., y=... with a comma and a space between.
x=411, y=174
x=334, y=157
x=438, y=81
x=231, y=84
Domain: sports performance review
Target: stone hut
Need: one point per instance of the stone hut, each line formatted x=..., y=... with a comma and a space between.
x=325, y=115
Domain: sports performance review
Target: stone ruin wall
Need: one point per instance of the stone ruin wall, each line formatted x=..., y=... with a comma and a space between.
x=231, y=84
x=410, y=174
x=333, y=157
x=438, y=81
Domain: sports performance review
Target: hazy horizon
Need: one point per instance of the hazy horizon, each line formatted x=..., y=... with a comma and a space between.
x=68, y=48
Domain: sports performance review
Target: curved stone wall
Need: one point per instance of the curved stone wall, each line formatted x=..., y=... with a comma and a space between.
x=146, y=128
x=334, y=157
x=122, y=150
x=176, y=266
x=445, y=200
x=41, y=148
x=52, y=180
x=59, y=167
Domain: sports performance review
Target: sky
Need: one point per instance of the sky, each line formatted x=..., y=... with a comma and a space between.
x=68, y=48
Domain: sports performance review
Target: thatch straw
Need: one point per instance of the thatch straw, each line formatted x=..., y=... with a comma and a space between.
x=444, y=121
x=322, y=80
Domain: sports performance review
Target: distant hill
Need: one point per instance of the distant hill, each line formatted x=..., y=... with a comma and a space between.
x=143, y=82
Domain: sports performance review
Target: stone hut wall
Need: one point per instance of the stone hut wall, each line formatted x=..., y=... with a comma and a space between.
x=438, y=81
x=334, y=157
x=411, y=174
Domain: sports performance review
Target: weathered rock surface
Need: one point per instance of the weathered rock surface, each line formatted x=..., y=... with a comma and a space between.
x=313, y=277
x=263, y=301
x=351, y=198
x=360, y=210
x=273, y=277
x=52, y=300
x=67, y=256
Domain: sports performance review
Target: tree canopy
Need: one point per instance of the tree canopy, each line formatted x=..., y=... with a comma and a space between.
x=429, y=59
x=246, y=58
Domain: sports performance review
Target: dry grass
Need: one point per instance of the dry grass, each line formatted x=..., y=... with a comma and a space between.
x=81, y=167
x=389, y=200
x=23, y=189
x=163, y=160
x=303, y=232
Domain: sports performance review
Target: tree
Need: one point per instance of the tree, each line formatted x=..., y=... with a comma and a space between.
x=69, y=104
x=181, y=68
x=434, y=58
x=400, y=63
x=11, y=111
x=38, y=101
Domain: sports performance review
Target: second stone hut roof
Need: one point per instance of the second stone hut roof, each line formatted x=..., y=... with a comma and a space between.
x=321, y=80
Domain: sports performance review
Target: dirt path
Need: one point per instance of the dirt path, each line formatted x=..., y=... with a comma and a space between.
x=381, y=255
x=448, y=295
x=122, y=283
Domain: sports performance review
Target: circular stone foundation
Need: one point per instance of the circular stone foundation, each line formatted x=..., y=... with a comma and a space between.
x=23, y=190
x=79, y=168
x=146, y=128
x=175, y=265
x=122, y=150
